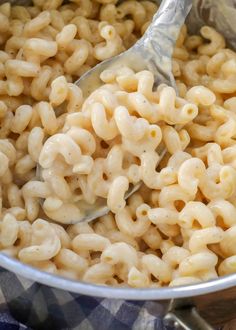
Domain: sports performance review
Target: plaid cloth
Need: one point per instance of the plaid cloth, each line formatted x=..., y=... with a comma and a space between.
x=27, y=305
x=40, y=307
x=8, y=323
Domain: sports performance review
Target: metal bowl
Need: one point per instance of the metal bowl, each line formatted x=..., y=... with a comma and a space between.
x=44, y=301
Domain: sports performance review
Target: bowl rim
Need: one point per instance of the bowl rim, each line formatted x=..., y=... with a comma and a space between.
x=165, y=293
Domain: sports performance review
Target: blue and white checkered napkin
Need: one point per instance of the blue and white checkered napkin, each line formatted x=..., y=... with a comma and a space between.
x=7, y=322
x=40, y=307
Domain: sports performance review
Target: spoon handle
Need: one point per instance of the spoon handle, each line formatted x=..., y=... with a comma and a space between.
x=157, y=44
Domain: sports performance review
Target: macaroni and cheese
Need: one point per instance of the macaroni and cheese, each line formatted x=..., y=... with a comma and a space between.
x=180, y=227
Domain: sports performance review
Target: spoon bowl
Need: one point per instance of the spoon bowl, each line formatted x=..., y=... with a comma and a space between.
x=152, y=52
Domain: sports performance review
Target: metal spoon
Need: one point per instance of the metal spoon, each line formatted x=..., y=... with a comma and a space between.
x=153, y=52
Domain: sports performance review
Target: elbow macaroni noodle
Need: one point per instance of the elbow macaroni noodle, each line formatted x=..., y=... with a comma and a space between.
x=180, y=227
